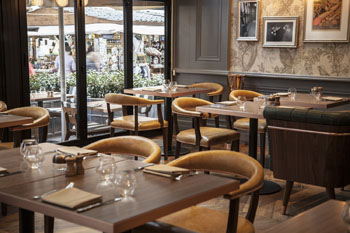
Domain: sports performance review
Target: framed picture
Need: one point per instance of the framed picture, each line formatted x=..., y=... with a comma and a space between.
x=326, y=21
x=248, y=20
x=280, y=31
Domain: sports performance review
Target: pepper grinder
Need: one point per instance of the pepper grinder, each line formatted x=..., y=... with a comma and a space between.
x=71, y=169
x=79, y=164
x=277, y=100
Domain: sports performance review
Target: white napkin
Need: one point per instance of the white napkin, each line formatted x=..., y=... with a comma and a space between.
x=332, y=98
x=3, y=170
x=74, y=150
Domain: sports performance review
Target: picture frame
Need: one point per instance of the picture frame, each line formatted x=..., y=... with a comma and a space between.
x=280, y=31
x=326, y=21
x=248, y=20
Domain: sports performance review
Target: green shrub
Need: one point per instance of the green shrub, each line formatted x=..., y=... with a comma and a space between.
x=98, y=83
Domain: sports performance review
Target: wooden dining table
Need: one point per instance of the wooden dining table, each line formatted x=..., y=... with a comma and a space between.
x=169, y=95
x=7, y=120
x=41, y=97
x=324, y=218
x=155, y=196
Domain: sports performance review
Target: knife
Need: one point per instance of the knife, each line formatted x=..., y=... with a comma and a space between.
x=10, y=173
x=82, y=209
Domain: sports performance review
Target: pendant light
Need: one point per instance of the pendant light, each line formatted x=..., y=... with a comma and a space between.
x=62, y=3
x=37, y=2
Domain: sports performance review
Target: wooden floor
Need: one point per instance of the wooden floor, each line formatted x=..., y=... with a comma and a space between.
x=268, y=214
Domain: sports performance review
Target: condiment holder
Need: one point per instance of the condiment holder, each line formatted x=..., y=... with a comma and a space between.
x=74, y=164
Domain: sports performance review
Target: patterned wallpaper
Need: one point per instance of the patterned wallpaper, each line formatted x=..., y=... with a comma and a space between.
x=317, y=59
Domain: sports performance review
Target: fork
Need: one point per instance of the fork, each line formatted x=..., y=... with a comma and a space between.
x=70, y=185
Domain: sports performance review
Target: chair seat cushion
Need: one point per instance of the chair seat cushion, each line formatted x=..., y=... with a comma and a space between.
x=243, y=124
x=210, y=136
x=145, y=123
x=196, y=219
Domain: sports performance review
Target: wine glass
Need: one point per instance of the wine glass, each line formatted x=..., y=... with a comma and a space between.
x=106, y=168
x=292, y=93
x=241, y=102
x=166, y=84
x=126, y=182
x=34, y=156
x=346, y=215
x=27, y=143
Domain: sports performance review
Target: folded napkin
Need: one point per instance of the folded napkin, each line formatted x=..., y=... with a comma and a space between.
x=228, y=103
x=72, y=198
x=151, y=89
x=282, y=93
x=165, y=170
x=3, y=170
x=74, y=150
x=332, y=98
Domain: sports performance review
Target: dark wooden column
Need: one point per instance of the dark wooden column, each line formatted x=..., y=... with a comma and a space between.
x=81, y=70
x=128, y=45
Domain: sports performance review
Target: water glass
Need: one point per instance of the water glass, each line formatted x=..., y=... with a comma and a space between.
x=346, y=215
x=166, y=84
x=126, y=182
x=106, y=168
x=241, y=102
x=26, y=144
x=292, y=93
x=34, y=156
x=173, y=86
x=316, y=92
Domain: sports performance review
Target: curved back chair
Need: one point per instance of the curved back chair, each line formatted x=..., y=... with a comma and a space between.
x=309, y=146
x=199, y=219
x=243, y=124
x=41, y=119
x=129, y=145
x=199, y=136
x=3, y=106
x=217, y=89
x=135, y=123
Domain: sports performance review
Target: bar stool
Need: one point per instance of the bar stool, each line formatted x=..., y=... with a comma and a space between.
x=217, y=90
x=243, y=123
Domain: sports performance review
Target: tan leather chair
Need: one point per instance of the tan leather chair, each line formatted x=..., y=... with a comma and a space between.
x=41, y=119
x=243, y=124
x=3, y=106
x=217, y=89
x=70, y=113
x=199, y=219
x=135, y=123
x=199, y=136
x=129, y=145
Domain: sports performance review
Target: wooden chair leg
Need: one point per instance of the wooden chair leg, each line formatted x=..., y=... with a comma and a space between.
x=254, y=201
x=111, y=132
x=165, y=143
x=286, y=195
x=262, y=148
x=17, y=138
x=217, y=122
x=235, y=145
x=3, y=209
x=233, y=216
x=330, y=192
x=44, y=133
x=178, y=148
x=48, y=224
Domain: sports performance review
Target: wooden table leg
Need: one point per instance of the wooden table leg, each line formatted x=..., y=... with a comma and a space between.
x=253, y=137
x=48, y=224
x=26, y=221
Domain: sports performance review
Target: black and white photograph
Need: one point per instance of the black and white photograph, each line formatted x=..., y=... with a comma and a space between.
x=248, y=14
x=280, y=31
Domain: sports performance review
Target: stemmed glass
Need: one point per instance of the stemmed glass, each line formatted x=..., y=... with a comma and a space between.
x=292, y=93
x=346, y=215
x=126, y=182
x=106, y=168
x=34, y=156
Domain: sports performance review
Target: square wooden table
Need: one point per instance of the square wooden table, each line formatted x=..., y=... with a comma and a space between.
x=41, y=97
x=324, y=218
x=169, y=96
x=13, y=120
x=306, y=100
x=154, y=197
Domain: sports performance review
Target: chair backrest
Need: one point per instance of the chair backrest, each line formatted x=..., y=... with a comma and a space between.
x=235, y=81
x=234, y=163
x=3, y=106
x=128, y=100
x=248, y=94
x=41, y=117
x=147, y=109
x=70, y=112
x=310, y=146
x=129, y=145
x=186, y=106
x=217, y=89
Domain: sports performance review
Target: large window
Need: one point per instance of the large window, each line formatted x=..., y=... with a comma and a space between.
x=51, y=24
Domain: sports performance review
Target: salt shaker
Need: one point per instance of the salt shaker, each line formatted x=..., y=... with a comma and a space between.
x=71, y=169
x=79, y=164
